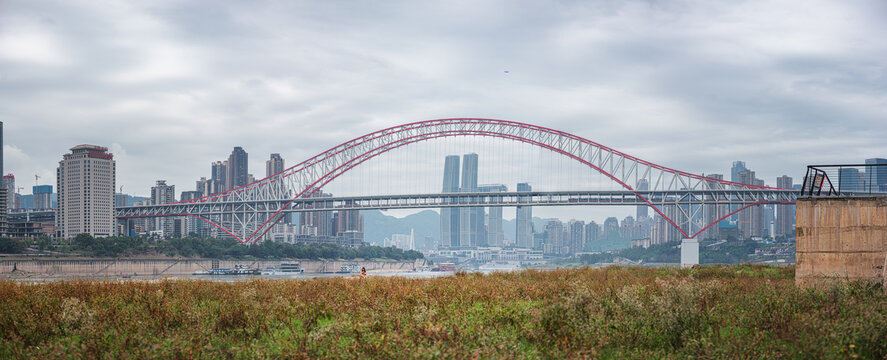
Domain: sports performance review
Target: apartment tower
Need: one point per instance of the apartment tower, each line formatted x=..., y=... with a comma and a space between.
x=85, y=182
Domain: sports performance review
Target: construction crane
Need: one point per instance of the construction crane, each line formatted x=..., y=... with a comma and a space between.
x=36, y=177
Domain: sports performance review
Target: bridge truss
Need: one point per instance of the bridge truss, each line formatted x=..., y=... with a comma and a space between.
x=247, y=213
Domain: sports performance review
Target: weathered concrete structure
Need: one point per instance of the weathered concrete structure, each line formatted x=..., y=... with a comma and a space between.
x=840, y=239
x=51, y=268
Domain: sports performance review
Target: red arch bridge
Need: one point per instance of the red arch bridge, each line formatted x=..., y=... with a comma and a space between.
x=689, y=202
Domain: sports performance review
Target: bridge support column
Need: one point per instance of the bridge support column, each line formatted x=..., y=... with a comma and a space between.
x=689, y=253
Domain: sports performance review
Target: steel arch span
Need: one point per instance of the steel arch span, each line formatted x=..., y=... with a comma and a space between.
x=249, y=211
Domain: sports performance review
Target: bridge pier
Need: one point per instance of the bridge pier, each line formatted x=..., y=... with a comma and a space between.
x=689, y=252
x=840, y=238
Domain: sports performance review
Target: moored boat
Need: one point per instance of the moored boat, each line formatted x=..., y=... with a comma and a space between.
x=285, y=268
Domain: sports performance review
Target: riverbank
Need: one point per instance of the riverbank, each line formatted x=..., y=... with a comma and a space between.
x=49, y=268
x=707, y=312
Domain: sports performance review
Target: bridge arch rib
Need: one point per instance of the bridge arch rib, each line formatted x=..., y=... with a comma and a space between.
x=249, y=223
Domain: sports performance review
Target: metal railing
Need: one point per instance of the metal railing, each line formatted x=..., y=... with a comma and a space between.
x=845, y=180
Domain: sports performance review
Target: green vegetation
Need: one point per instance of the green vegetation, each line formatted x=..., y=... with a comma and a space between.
x=194, y=246
x=12, y=246
x=707, y=312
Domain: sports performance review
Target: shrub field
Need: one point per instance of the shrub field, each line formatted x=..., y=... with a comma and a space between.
x=616, y=312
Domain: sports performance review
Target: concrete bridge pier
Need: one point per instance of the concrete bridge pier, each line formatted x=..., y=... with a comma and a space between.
x=840, y=238
x=689, y=253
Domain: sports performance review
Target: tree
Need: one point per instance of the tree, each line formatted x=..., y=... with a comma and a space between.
x=84, y=241
x=11, y=246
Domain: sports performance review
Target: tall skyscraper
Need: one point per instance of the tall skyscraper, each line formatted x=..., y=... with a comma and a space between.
x=611, y=227
x=316, y=223
x=524, y=220
x=449, y=216
x=471, y=219
x=121, y=199
x=713, y=212
x=189, y=224
x=877, y=174
x=495, y=234
x=785, y=214
x=42, y=197
x=643, y=184
x=576, y=236
x=751, y=220
x=9, y=184
x=738, y=167
x=663, y=232
x=161, y=193
x=85, y=181
x=202, y=186
x=848, y=180
x=348, y=221
x=219, y=178
x=274, y=165
x=592, y=232
x=237, y=169
x=3, y=195
x=555, y=239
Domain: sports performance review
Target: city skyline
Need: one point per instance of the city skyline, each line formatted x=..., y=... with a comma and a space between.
x=153, y=84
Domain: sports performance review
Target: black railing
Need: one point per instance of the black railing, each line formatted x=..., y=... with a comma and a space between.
x=845, y=180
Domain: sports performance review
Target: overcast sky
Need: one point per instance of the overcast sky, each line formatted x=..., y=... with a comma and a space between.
x=170, y=86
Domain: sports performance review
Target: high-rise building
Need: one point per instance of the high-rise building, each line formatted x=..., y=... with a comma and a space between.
x=189, y=224
x=274, y=165
x=9, y=184
x=877, y=174
x=643, y=184
x=713, y=212
x=348, y=221
x=219, y=178
x=785, y=214
x=85, y=181
x=42, y=197
x=3, y=194
x=611, y=226
x=592, y=232
x=494, y=232
x=524, y=220
x=316, y=223
x=161, y=193
x=202, y=186
x=576, y=236
x=555, y=239
x=738, y=167
x=471, y=219
x=121, y=200
x=849, y=180
x=752, y=221
x=449, y=216
x=238, y=169
x=663, y=231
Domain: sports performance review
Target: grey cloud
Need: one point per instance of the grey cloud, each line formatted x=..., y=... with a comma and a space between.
x=178, y=84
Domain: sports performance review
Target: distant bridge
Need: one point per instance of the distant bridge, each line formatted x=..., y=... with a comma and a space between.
x=248, y=212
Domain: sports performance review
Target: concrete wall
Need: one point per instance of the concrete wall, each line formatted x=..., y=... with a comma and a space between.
x=116, y=267
x=840, y=239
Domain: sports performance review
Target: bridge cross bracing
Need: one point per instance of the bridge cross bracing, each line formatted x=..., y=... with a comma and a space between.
x=248, y=212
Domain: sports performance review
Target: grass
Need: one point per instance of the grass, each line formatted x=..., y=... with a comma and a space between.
x=615, y=312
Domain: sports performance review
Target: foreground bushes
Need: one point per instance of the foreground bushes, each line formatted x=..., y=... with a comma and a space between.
x=742, y=311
